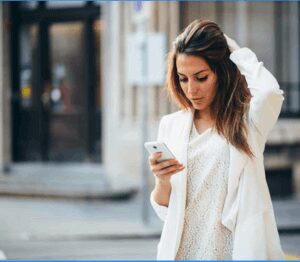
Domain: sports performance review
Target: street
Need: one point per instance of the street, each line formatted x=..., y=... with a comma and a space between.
x=137, y=249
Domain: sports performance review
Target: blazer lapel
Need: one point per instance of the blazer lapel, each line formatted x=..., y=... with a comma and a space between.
x=177, y=141
x=182, y=140
x=238, y=161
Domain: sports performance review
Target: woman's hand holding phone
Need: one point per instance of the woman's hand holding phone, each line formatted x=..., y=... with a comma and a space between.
x=163, y=170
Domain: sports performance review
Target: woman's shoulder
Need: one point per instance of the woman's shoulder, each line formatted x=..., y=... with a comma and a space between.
x=175, y=116
x=170, y=123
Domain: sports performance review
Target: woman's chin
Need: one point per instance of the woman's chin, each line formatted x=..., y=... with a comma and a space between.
x=199, y=106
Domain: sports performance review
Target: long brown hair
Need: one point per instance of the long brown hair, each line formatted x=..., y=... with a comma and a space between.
x=204, y=38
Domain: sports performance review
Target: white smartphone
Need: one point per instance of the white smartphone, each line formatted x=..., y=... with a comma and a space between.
x=154, y=146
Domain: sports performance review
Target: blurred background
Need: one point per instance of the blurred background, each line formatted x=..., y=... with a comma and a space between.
x=81, y=89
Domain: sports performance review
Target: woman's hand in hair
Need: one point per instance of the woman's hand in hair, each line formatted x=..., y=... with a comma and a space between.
x=232, y=44
x=165, y=169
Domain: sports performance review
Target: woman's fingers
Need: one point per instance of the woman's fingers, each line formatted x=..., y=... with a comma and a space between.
x=161, y=165
x=166, y=163
x=164, y=168
x=232, y=44
x=154, y=158
x=226, y=37
x=169, y=170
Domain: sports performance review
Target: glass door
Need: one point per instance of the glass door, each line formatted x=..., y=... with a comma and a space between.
x=68, y=94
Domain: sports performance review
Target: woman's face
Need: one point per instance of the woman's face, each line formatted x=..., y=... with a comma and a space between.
x=197, y=80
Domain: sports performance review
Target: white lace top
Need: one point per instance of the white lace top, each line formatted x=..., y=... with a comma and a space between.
x=204, y=237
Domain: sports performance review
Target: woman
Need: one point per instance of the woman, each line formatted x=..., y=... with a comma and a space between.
x=213, y=198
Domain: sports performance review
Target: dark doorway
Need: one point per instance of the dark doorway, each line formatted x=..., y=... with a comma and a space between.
x=56, y=81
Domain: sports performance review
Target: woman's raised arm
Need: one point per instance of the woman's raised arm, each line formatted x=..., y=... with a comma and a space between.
x=267, y=97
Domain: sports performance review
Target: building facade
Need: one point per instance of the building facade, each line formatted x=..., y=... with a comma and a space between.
x=66, y=84
x=271, y=29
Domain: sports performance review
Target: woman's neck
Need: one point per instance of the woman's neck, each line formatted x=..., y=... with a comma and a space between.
x=203, y=116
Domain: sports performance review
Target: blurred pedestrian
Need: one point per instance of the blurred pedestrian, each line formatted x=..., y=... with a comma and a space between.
x=213, y=198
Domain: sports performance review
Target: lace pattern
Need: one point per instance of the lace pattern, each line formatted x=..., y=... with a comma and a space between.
x=204, y=237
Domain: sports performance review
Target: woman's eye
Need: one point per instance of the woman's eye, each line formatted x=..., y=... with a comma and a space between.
x=182, y=79
x=202, y=79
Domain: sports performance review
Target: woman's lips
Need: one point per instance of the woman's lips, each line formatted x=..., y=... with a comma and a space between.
x=197, y=99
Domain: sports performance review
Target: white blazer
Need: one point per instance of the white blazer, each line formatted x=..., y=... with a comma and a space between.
x=248, y=211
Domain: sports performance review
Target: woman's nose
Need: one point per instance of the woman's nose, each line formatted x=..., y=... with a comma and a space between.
x=192, y=87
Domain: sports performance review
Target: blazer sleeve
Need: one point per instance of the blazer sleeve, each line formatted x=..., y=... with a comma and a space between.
x=267, y=97
x=161, y=211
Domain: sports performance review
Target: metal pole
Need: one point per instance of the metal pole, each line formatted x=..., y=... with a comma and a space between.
x=145, y=169
x=141, y=21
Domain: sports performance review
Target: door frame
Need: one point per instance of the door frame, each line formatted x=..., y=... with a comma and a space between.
x=44, y=18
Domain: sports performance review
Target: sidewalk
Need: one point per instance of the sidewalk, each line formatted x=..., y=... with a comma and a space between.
x=71, y=180
x=52, y=219
x=57, y=196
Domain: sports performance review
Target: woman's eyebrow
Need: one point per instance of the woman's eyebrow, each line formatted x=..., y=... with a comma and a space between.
x=194, y=73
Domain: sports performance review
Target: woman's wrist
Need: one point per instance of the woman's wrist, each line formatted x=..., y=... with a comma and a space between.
x=232, y=44
x=235, y=49
x=166, y=181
